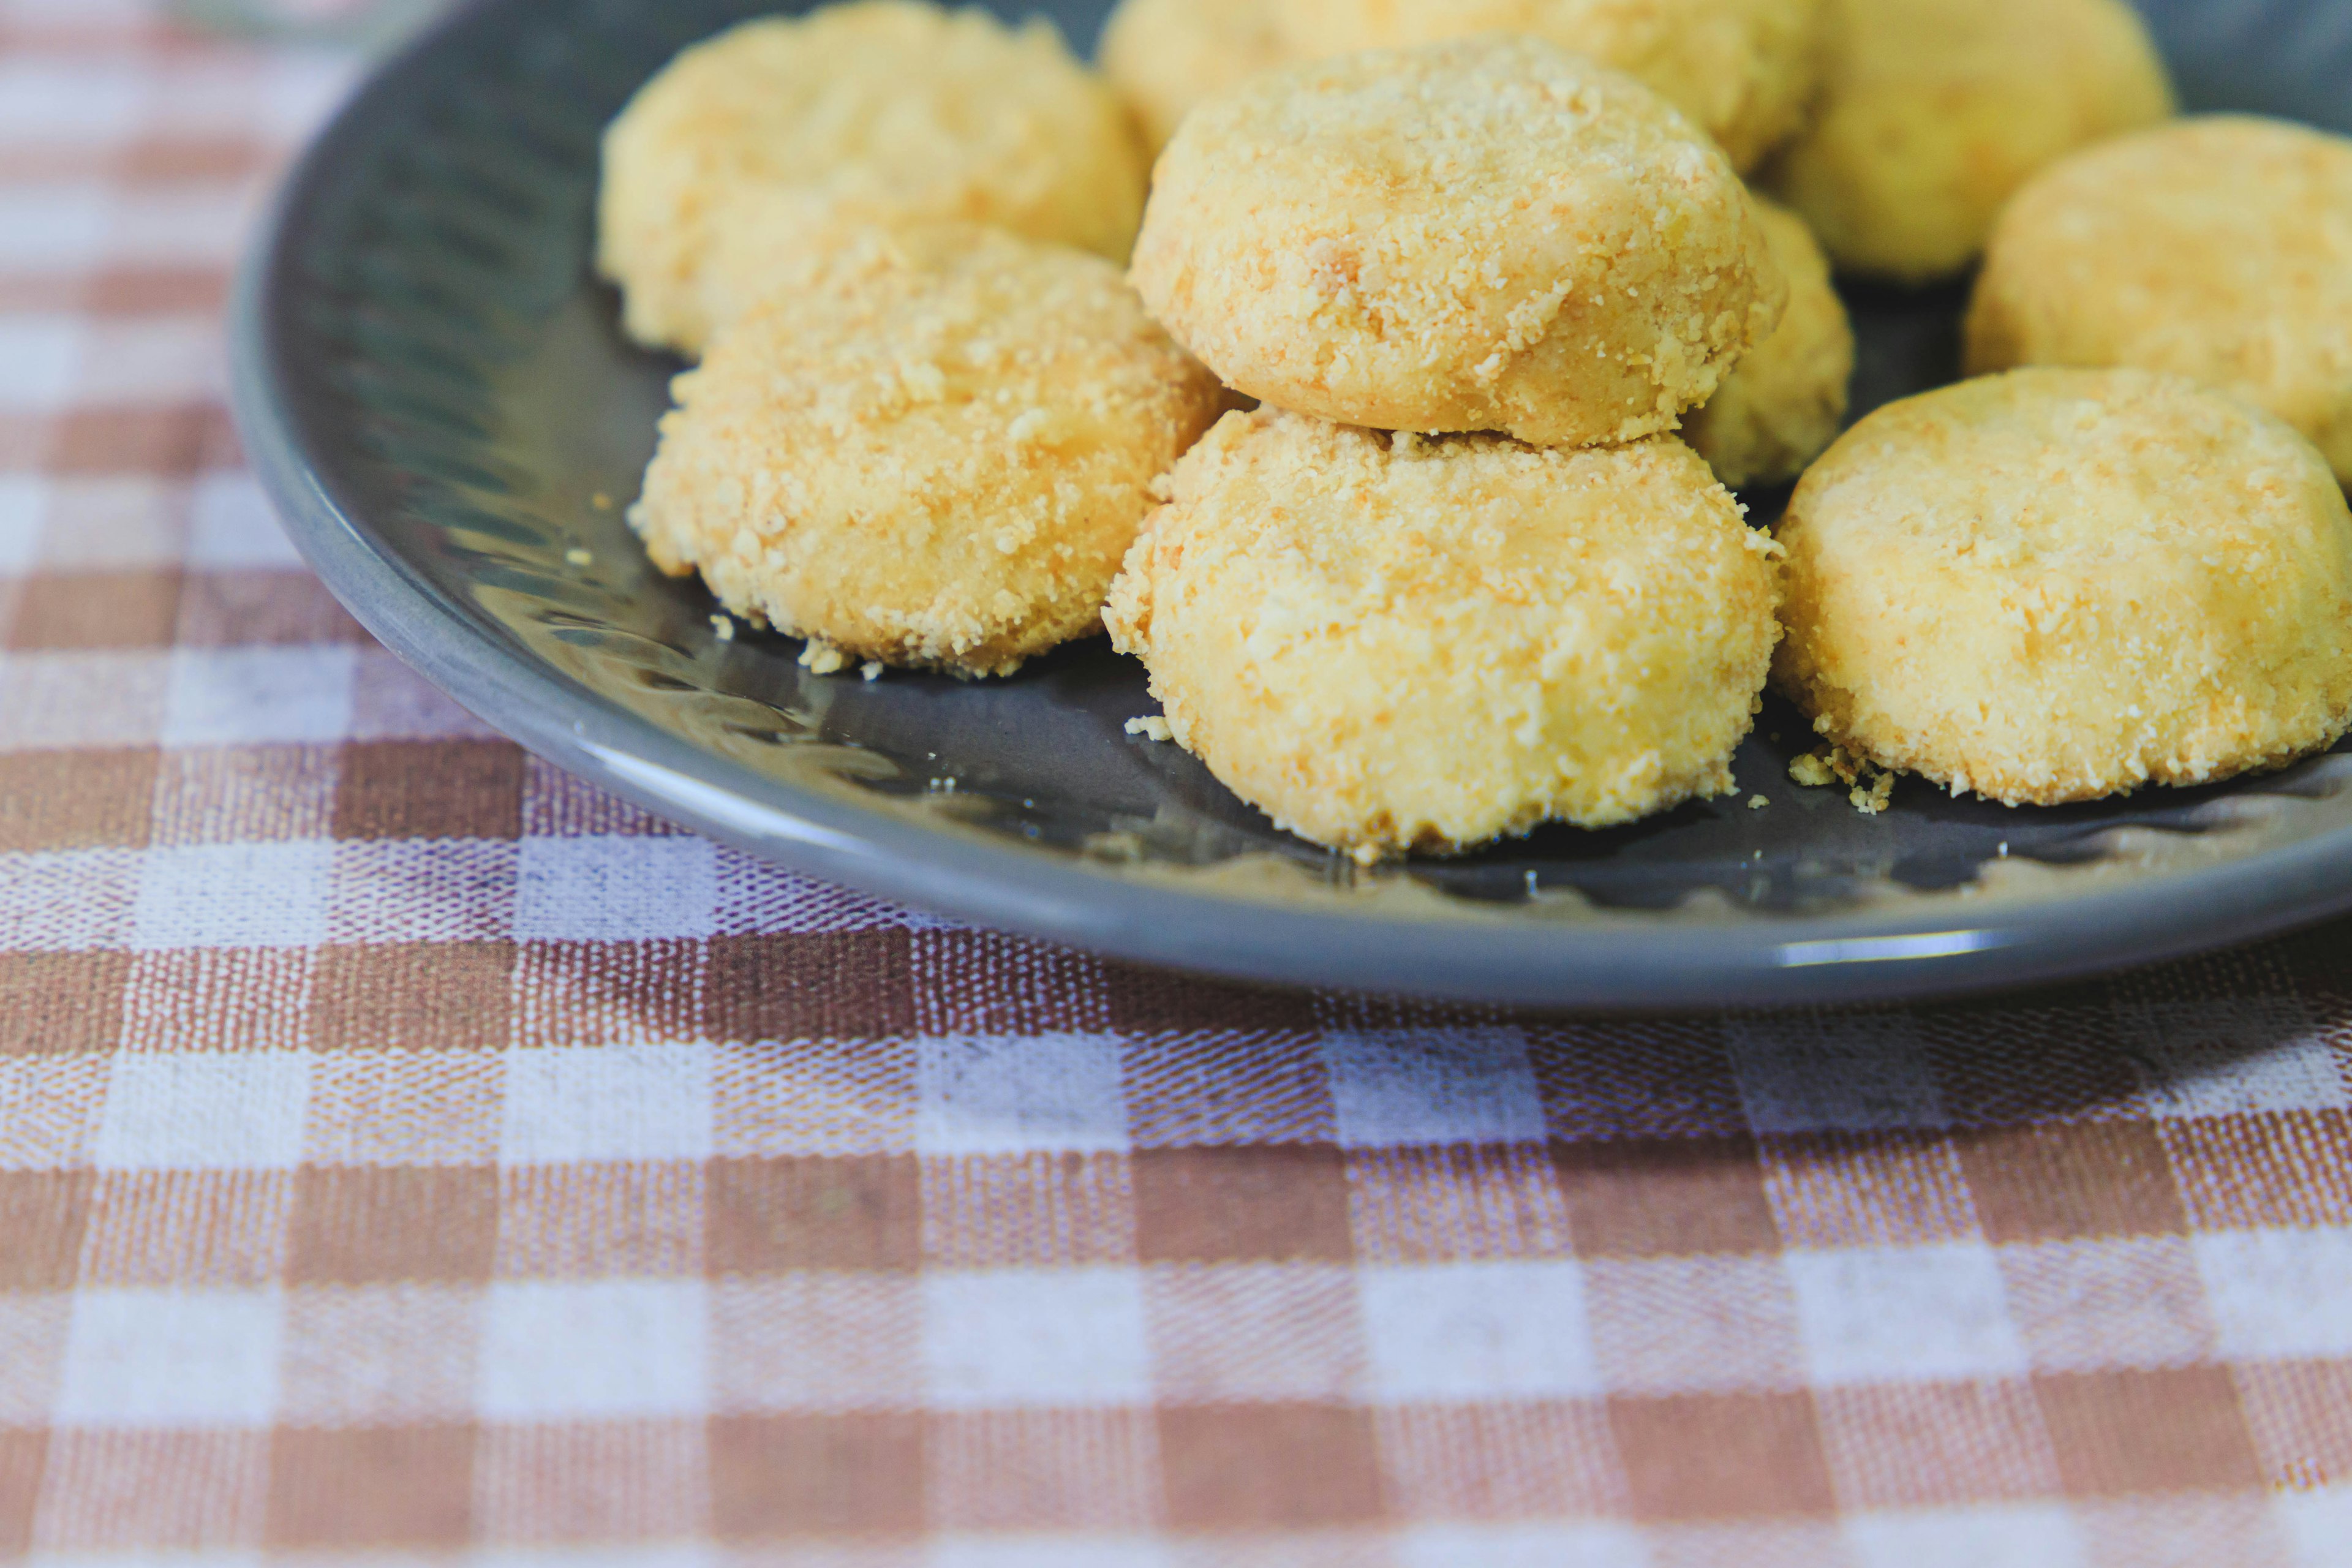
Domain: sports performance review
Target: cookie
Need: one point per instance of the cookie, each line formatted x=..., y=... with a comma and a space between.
x=879, y=111
x=1390, y=644
x=1490, y=234
x=1743, y=70
x=1165, y=56
x=2219, y=248
x=1783, y=405
x=1933, y=114
x=2056, y=585
x=934, y=453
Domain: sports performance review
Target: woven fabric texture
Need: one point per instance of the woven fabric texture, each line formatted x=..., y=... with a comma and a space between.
x=408, y=1154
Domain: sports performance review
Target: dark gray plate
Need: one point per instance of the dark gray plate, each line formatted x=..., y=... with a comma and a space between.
x=433, y=391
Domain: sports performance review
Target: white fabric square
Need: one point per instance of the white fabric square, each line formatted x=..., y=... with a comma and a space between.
x=150, y=362
x=566, y=1104
x=51, y=227
x=600, y=1349
x=51, y=102
x=171, y=1358
x=1597, y=1544
x=1421, y=1087
x=2225, y=1058
x=182, y=223
x=2042, y=1535
x=2319, y=1524
x=2114, y=1302
x=614, y=889
x=115, y=523
x=23, y=512
x=422, y=889
x=232, y=525
x=234, y=895
x=1479, y=1330
x=1904, y=1314
x=260, y=696
x=42, y=353
x=1026, y=1337
x=67, y=900
x=204, y=1111
x=1833, y=1073
x=64, y=700
x=1019, y=1094
x=2279, y=1292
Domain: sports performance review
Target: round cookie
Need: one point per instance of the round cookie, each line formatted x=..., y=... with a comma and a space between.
x=1397, y=644
x=1165, y=56
x=2055, y=585
x=933, y=454
x=1490, y=234
x=878, y=111
x=1933, y=114
x=1782, y=406
x=1743, y=70
x=2219, y=248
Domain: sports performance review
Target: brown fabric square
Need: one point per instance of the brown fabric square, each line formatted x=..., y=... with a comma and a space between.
x=217, y=999
x=1218, y=1205
x=787, y=1476
x=240, y=608
x=585, y=992
x=1037, y=1210
x=59, y=1002
x=770, y=1216
x=429, y=789
x=413, y=995
x=1255, y=1467
x=592, y=1481
x=362, y=1225
x=1156, y=1001
x=2052, y=1055
x=2070, y=1179
x=22, y=1454
x=239, y=795
x=1867, y=1189
x=1227, y=1089
x=1683, y=1198
x=43, y=1217
x=2178, y=1429
x=174, y=441
x=1938, y=1445
x=370, y=1487
x=2289, y=1169
x=1042, y=1471
x=97, y=609
x=77, y=800
x=1722, y=1456
x=818, y=985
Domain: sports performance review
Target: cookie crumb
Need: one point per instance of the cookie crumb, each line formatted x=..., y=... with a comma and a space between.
x=1812, y=771
x=1759, y=801
x=601, y=502
x=823, y=659
x=724, y=628
x=1869, y=787
x=1151, y=728
x=579, y=557
x=871, y=669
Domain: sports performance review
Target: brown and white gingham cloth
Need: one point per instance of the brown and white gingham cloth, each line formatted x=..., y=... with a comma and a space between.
x=407, y=1154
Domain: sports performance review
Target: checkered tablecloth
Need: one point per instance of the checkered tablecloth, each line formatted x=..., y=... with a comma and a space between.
x=407, y=1153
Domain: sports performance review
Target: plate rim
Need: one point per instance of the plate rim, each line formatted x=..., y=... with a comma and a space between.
x=1620, y=961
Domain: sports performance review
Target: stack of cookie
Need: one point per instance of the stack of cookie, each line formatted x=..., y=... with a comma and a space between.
x=1510, y=320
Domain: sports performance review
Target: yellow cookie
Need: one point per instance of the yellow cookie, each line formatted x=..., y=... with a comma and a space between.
x=932, y=452
x=1165, y=56
x=2218, y=248
x=1782, y=408
x=1742, y=70
x=1396, y=644
x=2054, y=585
x=1491, y=234
x=1933, y=112
x=879, y=111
